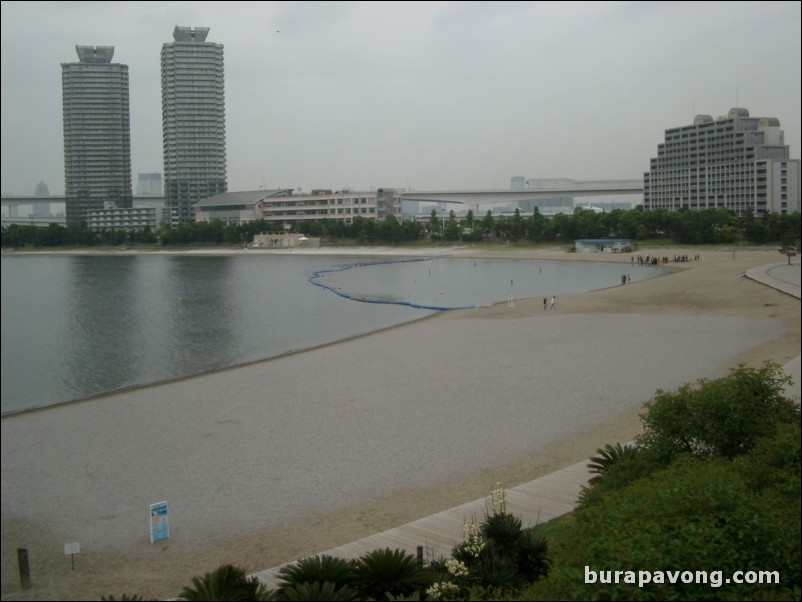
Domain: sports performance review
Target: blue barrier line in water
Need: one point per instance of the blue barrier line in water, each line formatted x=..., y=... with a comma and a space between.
x=320, y=273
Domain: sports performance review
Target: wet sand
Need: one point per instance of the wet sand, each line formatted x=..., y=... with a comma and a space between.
x=269, y=462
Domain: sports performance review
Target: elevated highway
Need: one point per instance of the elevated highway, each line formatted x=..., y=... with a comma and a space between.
x=544, y=189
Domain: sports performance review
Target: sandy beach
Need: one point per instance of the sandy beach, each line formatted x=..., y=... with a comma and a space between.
x=277, y=460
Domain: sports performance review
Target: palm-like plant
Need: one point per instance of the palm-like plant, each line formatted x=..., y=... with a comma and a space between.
x=226, y=583
x=387, y=572
x=610, y=455
x=495, y=570
x=326, y=591
x=502, y=530
x=315, y=569
x=508, y=558
x=532, y=556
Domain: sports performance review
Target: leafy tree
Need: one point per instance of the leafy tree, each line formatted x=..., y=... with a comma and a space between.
x=451, y=231
x=411, y=230
x=629, y=225
x=515, y=227
x=488, y=223
x=390, y=230
x=434, y=223
x=589, y=224
x=470, y=219
x=562, y=227
x=537, y=226
x=790, y=248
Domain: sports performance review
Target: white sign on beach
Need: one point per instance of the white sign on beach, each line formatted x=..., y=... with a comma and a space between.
x=159, y=527
x=71, y=549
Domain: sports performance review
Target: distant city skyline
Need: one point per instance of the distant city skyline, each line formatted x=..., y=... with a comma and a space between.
x=421, y=96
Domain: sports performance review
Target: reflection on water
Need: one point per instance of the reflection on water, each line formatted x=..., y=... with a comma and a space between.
x=77, y=326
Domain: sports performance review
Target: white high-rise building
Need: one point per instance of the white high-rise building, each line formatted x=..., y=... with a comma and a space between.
x=193, y=120
x=735, y=162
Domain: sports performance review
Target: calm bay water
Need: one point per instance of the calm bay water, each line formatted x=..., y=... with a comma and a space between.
x=74, y=326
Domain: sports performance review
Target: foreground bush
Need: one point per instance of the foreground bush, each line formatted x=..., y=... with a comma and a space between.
x=496, y=559
x=714, y=488
x=696, y=516
x=720, y=418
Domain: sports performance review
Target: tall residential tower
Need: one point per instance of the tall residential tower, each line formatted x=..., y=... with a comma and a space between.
x=97, y=133
x=193, y=120
x=737, y=162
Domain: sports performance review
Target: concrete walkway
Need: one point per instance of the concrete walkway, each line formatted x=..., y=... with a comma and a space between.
x=534, y=502
x=784, y=277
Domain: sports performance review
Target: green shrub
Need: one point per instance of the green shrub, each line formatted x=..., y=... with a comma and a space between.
x=720, y=418
x=500, y=556
x=694, y=515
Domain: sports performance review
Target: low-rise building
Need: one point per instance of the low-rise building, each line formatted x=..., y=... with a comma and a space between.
x=282, y=207
x=283, y=240
x=130, y=218
x=602, y=245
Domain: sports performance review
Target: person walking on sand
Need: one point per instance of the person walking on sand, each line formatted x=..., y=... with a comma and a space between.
x=553, y=301
x=545, y=303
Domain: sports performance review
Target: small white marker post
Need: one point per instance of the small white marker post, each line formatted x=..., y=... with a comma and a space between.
x=71, y=549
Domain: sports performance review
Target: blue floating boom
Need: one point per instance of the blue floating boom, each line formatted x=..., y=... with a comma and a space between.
x=319, y=274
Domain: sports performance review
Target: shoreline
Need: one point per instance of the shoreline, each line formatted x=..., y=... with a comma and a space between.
x=707, y=299
x=463, y=251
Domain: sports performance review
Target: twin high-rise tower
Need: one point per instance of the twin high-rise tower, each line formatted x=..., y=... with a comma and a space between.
x=97, y=138
x=193, y=120
x=97, y=133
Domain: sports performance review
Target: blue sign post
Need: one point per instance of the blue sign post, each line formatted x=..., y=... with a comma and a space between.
x=159, y=526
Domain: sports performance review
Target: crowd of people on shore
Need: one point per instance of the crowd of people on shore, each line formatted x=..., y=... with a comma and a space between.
x=653, y=260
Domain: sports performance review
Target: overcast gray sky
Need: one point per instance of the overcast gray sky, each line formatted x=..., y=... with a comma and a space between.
x=434, y=95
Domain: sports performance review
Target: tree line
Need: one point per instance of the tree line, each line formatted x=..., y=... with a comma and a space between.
x=709, y=226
